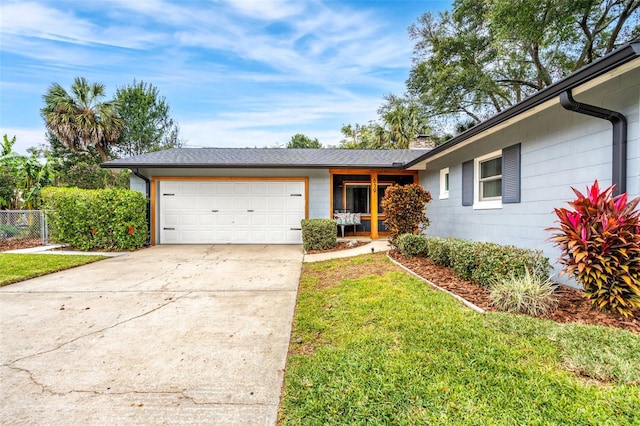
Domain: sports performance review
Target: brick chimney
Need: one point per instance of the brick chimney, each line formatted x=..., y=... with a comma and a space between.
x=422, y=142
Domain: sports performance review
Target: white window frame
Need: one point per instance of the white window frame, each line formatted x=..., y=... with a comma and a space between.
x=445, y=178
x=478, y=203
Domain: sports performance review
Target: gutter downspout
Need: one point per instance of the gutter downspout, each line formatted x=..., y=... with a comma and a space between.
x=148, y=197
x=619, y=122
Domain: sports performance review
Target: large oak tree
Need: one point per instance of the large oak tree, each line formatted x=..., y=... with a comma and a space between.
x=487, y=55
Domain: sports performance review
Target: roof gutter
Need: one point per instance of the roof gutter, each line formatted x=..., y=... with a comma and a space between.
x=619, y=145
x=147, y=185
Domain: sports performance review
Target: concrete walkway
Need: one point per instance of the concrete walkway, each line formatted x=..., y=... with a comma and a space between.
x=165, y=335
x=376, y=245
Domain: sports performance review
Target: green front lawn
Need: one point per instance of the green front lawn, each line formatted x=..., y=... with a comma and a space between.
x=373, y=345
x=19, y=267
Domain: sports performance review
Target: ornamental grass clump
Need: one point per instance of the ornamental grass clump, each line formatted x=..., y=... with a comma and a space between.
x=599, y=239
x=524, y=294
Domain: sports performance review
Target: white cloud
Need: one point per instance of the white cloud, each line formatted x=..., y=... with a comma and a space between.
x=274, y=121
x=25, y=138
x=267, y=9
x=34, y=20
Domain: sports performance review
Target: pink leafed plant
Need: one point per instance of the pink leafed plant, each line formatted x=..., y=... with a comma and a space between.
x=599, y=238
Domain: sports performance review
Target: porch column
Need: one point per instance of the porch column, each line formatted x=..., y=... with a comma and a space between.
x=374, y=206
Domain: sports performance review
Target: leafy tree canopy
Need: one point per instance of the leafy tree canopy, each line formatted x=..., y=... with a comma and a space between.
x=22, y=177
x=148, y=124
x=487, y=55
x=484, y=56
x=401, y=120
x=302, y=141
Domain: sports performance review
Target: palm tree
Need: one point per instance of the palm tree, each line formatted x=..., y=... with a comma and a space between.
x=80, y=119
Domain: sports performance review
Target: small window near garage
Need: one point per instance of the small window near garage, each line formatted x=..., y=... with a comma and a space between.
x=488, y=181
x=444, y=183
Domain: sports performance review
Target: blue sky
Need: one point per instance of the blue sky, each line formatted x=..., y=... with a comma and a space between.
x=235, y=73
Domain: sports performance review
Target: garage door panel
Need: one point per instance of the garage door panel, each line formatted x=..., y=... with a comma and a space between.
x=217, y=212
x=242, y=188
x=275, y=188
x=171, y=220
x=208, y=220
x=294, y=203
x=224, y=219
x=191, y=219
x=241, y=203
x=259, y=220
x=276, y=203
x=292, y=221
x=276, y=220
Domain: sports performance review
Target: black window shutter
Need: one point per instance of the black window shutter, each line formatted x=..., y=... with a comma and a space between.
x=467, y=183
x=511, y=174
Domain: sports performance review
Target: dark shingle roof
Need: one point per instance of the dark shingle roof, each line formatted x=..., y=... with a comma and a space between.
x=270, y=158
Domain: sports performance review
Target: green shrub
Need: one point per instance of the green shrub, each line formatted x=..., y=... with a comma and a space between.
x=485, y=263
x=90, y=176
x=319, y=234
x=599, y=240
x=524, y=294
x=439, y=250
x=104, y=219
x=405, y=209
x=412, y=245
x=465, y=257
x=499, y=262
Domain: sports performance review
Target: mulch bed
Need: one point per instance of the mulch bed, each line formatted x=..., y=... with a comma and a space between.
x=341, y=245
x=13, y=244
x=572, y=306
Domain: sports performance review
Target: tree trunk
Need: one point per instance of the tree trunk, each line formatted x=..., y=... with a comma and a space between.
x=101, y=152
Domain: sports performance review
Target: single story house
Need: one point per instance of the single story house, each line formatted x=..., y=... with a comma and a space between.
x=498, y=181
x=259, y=195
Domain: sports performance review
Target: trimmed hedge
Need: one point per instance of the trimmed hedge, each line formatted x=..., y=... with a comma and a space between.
x=438, y=250
x=103, y=219
x=412, y=245
x=319, y=234
x=486, y=263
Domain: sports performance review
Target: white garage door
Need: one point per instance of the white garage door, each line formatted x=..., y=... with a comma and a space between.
x=231, y=212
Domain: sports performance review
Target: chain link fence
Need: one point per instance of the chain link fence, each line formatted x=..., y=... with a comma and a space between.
x=23, y=225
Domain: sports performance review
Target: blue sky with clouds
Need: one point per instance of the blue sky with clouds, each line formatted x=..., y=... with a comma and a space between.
x=235, y=73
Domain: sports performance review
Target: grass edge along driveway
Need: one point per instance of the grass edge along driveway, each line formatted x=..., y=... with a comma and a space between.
x=371, y=344
x=20, y=267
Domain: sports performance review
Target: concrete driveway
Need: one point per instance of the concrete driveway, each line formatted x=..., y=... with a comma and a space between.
x=165, y=335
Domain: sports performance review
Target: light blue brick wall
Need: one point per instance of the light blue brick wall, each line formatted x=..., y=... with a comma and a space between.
x=559, y=149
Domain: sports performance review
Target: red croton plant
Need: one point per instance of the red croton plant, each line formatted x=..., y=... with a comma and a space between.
x=600, y=243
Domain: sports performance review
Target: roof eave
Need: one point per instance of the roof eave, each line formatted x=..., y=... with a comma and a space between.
x=248, y=166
